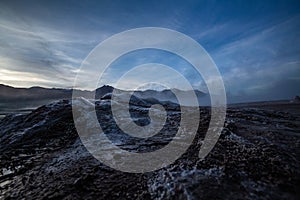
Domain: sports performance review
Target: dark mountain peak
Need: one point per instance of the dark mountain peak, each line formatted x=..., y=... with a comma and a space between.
x=101, y=91
x=296, y=99
x=36, y=87
x=105, y=87
x=3, y=86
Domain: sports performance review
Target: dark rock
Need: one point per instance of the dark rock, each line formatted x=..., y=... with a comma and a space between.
x=42, y=157
x=296, y=99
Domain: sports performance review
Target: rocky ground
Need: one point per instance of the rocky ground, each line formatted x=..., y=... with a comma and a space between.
x=256, y=157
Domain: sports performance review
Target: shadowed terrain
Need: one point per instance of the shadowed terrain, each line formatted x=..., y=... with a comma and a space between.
x=25, y=99
x=256, y=157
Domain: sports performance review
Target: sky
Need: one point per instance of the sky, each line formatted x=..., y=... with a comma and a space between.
x=255, y=44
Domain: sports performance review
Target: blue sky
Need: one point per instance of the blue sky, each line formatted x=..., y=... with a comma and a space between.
x=255, y=44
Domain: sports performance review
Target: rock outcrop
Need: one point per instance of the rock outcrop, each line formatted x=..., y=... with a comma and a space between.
x=256, y=157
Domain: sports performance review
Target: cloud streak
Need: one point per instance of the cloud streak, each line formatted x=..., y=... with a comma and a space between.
x=256, y=46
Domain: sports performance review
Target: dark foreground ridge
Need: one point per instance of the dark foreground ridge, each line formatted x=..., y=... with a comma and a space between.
x=256, y=157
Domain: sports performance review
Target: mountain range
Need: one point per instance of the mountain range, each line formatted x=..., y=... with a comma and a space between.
x=26, y=98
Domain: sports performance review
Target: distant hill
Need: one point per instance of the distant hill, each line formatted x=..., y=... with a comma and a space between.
x=11, y=94
x=168, y=95
x=13, y=98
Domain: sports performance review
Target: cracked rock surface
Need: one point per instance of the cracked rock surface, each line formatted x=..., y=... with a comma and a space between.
x=257, y=157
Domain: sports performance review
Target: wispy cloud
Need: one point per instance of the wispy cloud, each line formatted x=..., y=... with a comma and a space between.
x=255, y=45
x=262, y=60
